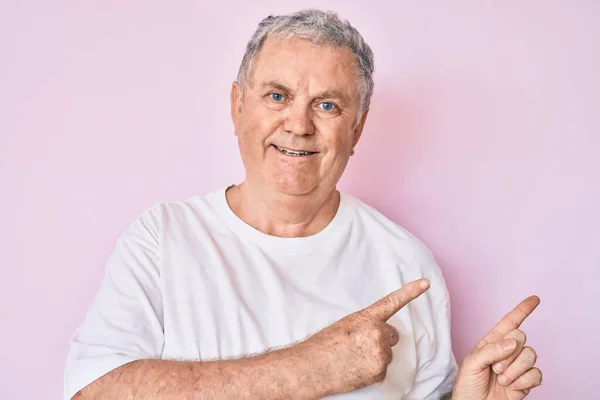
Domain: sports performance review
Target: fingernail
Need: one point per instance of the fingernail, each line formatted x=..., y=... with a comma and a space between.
x=424, y=284
x=502, y=380
x=509, y=344
x=498, y=367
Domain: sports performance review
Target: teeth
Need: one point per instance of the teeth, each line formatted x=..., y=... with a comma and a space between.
x=292, y=152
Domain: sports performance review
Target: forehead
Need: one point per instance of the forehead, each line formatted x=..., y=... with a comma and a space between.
x=299, y=64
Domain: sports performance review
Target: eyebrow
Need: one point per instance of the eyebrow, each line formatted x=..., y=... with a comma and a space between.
x=275, y=85
x=327, y=94
x=333, y=94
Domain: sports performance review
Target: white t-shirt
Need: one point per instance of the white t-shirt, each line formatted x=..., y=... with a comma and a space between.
x=191, y=281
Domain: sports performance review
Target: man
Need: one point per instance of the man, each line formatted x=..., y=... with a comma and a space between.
x=281, y=286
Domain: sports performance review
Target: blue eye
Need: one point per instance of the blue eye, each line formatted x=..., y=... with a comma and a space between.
x=276, y=96
x=327, y=106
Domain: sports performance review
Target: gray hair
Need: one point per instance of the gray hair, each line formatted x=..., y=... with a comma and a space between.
x=322, y=28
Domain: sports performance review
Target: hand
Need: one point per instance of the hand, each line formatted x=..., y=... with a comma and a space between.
x=501, y=367
x=355, y=351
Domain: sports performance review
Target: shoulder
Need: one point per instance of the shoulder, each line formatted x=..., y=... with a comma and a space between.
x=174, y=215
x=388, y=236
x=379, y=227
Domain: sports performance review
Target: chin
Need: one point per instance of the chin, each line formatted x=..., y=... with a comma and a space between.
x=292, y=187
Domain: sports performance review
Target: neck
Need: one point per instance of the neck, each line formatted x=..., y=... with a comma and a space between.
x=283, y=215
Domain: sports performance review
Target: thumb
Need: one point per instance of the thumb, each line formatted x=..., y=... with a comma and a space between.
x=489, y=354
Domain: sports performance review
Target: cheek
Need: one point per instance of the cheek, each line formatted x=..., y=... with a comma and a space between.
x=257, y=126
x=338, y=141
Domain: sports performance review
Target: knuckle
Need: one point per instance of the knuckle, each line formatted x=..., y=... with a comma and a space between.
x=380, y=376
x=520, y=336
x=470, y=359
x=381, y=355
x=496, y=347
x=530, y=356
x=377, y=334
x=372, y=336
x=377, y=368
x=481, y=344
x=394, y=301
x=389, y=356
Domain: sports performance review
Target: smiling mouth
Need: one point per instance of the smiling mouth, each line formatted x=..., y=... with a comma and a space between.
x=294, y=153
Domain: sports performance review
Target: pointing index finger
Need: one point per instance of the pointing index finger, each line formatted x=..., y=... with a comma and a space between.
x=512, y=320
x=389, y=305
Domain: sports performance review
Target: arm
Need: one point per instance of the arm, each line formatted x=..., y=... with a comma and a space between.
x=116, y=352
x=349, y=354
x=279, y=374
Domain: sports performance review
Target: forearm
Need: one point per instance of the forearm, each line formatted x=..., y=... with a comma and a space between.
x=281, y=374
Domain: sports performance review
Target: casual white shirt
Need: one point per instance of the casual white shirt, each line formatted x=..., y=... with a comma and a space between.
x=190, y=280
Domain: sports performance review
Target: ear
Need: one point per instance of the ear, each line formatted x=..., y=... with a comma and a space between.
x=236, y=104
x=359, y=129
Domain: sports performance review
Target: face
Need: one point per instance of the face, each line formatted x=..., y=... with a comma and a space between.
x=297, y=122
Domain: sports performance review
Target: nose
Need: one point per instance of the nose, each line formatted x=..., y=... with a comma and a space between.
x=299, y=120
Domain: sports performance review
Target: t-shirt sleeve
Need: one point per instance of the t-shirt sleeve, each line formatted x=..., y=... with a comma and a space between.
x=437, y=366
x=125, y=321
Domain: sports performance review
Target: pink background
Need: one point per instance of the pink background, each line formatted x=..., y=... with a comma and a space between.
x=483, y=140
